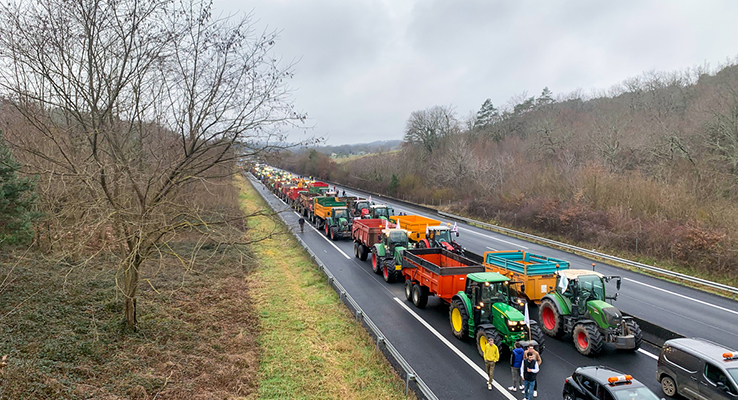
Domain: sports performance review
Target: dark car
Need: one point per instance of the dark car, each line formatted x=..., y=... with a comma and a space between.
x=602, y=383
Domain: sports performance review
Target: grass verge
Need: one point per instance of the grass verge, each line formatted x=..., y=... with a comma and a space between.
x=311, y=347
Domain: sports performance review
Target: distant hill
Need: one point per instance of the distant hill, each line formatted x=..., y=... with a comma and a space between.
x=353, y=149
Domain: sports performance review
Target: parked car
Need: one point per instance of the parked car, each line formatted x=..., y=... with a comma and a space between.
x=698, y=369
x=603, y=383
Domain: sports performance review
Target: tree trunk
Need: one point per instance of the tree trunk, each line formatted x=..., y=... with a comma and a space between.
x=129, y=290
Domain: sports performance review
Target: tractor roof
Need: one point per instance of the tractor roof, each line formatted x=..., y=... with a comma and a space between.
x=492, y=277
x=387, y=231
x=438, y=228
x=576, y=273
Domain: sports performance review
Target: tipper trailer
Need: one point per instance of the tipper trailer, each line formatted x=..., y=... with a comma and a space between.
x=537, y=273
x=482, y=304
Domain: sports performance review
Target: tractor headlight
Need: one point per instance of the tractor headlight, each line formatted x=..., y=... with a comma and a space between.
x=511, y=323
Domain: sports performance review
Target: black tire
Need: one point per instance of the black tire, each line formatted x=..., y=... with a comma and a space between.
x=635, y=330
x=376, y=262
x=489, y=334
x=569, y=396
x=420, y=296
x=363, y=252
x=587, y=339
x=388, y=271
x=409, y=290
x=537, y=334
x=333, y=234
x=550, y=319
x=458, y=317
x=356, y=250
x=668, y=386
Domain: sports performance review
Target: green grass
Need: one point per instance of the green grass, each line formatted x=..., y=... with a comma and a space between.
x=311, y=347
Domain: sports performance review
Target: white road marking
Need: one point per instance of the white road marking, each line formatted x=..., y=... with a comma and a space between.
x=655, y=357
x=326, y=239
x=491, y=248
x=458, y=352
x=494, y=238
x=683, y=296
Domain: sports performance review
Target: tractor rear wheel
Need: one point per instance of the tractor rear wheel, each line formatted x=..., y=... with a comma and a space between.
x=459, y=318
x=376, y=262
x=587, y=339
x=408, y=290
x=635, y=330
x=551, y=321
x=420, y=296
x=333, y=233
x=363, y=252
x=388, y=271
x=537, y=335
x=487, y=335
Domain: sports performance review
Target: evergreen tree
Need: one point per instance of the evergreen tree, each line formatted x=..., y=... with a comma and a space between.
x=486, y=115
x=17, y=200
x=545, y=98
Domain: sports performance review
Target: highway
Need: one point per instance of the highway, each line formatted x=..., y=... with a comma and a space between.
x=453, y=369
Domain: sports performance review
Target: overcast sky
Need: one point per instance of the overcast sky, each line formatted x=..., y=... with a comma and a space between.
x=365, y=65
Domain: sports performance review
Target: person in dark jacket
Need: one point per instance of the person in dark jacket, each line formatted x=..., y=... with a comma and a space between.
x=529, y=371
x=516, y=360
x=301, y=221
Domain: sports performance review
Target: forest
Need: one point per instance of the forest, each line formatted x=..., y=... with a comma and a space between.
x=647, y=169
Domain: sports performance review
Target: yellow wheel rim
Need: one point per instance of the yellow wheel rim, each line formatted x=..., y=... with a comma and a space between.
x=482, y=341
x=456, y=320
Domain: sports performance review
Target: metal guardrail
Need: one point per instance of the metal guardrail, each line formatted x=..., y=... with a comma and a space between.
x=412, y=380
x=579, y=250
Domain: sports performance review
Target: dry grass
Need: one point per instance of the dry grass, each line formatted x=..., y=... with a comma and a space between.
x=311, y=346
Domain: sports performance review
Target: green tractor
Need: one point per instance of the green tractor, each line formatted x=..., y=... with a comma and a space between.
x=486, y=311
x=387, y=254
x=578, y=305
x=380, y=211
x=338, y=223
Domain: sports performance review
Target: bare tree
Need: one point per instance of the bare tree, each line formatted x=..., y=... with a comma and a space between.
x=133, y=102
x=428, y=127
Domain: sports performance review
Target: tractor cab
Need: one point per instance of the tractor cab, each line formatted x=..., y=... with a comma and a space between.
x=579, y=287
x=394, y=238
x=361, y=208
x=340, y=214
x=439, y=234
x=381, y=211
x=492, y=296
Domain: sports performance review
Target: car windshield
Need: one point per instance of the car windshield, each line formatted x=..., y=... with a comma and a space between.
x=634, y=393
x=340, y=213
x=592, y=284
x=733, y=372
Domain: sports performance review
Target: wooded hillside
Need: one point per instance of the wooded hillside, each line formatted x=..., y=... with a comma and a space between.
x=648, y=168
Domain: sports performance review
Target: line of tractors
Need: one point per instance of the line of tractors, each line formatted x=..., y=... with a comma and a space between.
x=487, y=294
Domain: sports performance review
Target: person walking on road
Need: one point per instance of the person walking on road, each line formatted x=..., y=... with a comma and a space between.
x=491, y=356
x=301, y=221
x=529, y=372
x=537, y=357
x=516, y=360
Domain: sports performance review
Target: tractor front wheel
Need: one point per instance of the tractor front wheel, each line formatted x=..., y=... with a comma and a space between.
x=459, y=318
x=587, y=339
x=420, y=296
x=376, y=262
x=487, y=335
x=537, y=335
x=551, y=321
x=635, y=330
x=388, y=271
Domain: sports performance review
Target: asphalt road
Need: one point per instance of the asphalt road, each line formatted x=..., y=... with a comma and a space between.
x=453, y=369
